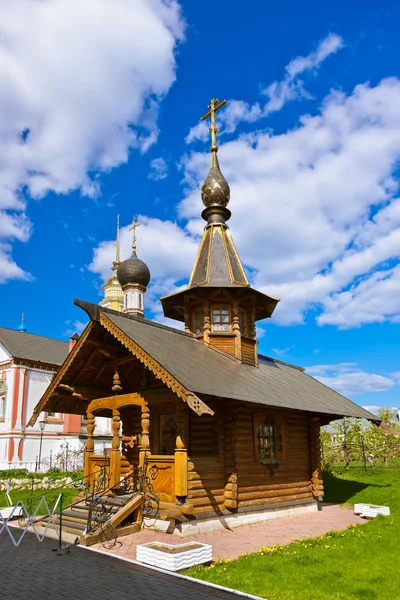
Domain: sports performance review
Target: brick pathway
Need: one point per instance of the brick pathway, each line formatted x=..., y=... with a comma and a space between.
x=33, y=572
x=249, y=538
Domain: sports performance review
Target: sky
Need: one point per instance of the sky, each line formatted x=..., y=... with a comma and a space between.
x=100, y=106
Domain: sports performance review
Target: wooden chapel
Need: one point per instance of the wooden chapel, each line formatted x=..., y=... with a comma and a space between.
x=232, y=436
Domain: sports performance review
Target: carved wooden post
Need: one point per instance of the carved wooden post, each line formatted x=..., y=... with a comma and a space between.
x=236, y=329
x=181, y=461
x=89, y=451
x=315, y=450
x=206, y=321
x=115, y=455
x=187, y=318
x=253, y=333
x=145, y=439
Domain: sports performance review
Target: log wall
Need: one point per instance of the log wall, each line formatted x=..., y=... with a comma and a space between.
x=233, y=477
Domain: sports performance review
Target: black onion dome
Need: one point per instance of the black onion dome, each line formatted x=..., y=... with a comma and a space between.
x=215, y=189
x=133, y=271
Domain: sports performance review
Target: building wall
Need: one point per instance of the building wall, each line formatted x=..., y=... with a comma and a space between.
x=19, y=445
x=225, y=470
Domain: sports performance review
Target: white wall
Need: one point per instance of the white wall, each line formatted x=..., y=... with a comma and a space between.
x=36, y=382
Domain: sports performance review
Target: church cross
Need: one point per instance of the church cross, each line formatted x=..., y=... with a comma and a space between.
x=132, y=228
x=214, y=105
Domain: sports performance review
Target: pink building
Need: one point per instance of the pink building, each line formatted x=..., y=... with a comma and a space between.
x=28, y=363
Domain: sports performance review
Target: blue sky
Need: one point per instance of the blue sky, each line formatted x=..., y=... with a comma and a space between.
x=99, y=115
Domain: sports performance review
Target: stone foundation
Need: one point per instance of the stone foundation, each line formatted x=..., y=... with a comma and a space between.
x=230, y=520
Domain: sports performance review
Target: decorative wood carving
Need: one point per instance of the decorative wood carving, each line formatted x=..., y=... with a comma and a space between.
x=145, y=438
x=181, y=460
x=155, y=367
x=58, y=378
x=115, y=402
x=236, y=328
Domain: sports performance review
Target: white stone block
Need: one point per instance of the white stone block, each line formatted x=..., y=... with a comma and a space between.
x=174, y=557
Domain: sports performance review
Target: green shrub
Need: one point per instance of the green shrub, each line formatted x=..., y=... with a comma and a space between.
x=14, y=474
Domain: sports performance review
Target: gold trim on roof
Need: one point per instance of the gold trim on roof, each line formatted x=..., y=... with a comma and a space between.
x=40, y=406
x=197, y=405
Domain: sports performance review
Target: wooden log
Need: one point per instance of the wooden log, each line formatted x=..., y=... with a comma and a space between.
x=207, y=501
x=203, y=493
x=273, y=487
x=208, y=509
x=267, y=501
x=200, y=485
x=228, y=503
x=273, y=494
x=231, y=487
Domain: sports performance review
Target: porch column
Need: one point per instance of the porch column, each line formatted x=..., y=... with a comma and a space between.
x=181, y=461
x=115, y=455
x=89, y=451
x=315, y=445
x=145, y=439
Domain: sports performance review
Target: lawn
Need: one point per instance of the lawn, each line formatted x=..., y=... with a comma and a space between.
x=50, y=495
x=361, y=563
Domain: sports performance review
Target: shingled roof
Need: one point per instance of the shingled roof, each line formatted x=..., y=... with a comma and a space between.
x=207, y=372
x=28, y=346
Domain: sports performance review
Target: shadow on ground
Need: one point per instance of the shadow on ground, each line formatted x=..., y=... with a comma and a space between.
x=339, y=490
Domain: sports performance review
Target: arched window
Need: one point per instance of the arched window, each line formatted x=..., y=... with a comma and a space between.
x=3, y=396
x=2, y=407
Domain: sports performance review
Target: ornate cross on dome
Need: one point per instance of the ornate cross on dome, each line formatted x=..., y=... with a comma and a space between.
x=214, y=105
x=132, y=228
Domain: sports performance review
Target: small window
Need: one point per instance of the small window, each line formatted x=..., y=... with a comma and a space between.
x=221, y=318
x=2, y=407
x=3, y=395
x=198, y=321
x=268, y=442
x=53, y=416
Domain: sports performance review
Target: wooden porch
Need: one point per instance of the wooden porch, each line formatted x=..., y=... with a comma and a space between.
x=131, y=449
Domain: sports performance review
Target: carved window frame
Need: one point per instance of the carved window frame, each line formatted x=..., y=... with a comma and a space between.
x=221, y=310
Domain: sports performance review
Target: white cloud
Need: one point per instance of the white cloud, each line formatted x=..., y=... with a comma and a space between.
x=159, y=169
x=79, y=87
x=74, y=327
x=291, y=87
x=168, y=251
x=349, y=380
x=315, y=210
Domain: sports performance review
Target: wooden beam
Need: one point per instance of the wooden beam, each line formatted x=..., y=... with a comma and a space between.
x=116, y=402
x=82, y=390
x=106, y=349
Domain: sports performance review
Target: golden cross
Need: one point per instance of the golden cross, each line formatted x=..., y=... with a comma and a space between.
x=117, y=255
x=132, y=228
x=214, y=105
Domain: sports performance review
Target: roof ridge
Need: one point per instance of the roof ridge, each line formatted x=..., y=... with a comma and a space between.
x=44, y=337
x=281, y=362
x=93, y=309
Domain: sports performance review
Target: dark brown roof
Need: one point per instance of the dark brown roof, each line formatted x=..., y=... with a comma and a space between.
x=29, y=346
x=205, y=371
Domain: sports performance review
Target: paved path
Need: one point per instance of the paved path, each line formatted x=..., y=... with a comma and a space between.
x=33, y=572
x=230, y=543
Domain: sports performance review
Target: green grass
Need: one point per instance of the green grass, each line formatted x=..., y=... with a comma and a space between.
x=50, y=495
x=361, y=563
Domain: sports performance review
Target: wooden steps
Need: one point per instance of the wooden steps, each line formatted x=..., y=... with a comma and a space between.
x=75, y=517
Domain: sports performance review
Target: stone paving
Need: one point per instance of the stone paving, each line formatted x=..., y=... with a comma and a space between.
x=33, y=572
x=230, y=543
